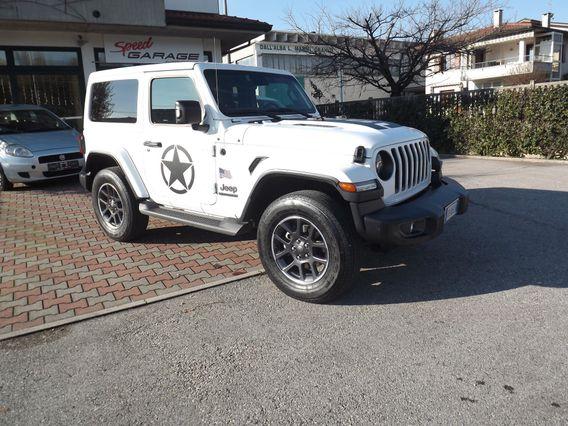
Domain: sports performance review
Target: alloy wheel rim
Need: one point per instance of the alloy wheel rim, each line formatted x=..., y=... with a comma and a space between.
x=300, y=251
x=111, y=206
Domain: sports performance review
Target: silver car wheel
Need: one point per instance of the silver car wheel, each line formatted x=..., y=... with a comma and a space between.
x=300, y=251
x=111, y=206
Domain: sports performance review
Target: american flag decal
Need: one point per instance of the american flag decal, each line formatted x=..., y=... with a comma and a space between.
x=225, y=174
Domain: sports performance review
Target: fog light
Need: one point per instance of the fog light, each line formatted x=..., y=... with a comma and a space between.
x=414, y=228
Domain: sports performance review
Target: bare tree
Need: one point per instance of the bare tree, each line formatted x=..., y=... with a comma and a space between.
x=316, y=91
x=391, y=48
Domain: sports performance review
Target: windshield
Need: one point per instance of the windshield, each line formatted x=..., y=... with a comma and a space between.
x=28, y=121
x=250, y=93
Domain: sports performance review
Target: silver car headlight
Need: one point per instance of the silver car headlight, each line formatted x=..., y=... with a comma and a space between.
x=15, y=150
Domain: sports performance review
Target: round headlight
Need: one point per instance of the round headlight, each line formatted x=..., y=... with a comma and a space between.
x=18, y=151
x=384, y=165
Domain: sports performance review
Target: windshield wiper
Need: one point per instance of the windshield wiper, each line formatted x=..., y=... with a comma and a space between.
x=291, y=111
x=275, y=117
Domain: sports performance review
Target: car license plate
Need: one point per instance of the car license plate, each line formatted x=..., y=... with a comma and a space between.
x=451, y=210
x=63, y=165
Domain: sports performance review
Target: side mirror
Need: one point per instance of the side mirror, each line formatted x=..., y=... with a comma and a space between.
x=188, y=112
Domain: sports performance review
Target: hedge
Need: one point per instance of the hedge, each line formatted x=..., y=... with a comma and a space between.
x=513, y=123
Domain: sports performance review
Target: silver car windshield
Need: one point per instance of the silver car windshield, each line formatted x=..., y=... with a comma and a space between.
x=29, y=121
x=250, y=93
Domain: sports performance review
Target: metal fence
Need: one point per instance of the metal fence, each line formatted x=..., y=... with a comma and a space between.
x=410, y=107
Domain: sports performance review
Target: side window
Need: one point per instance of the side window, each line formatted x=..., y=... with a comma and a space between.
x=114, y=101
x=164, y=94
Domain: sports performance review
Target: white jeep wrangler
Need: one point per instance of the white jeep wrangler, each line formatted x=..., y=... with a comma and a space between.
x=220, y=147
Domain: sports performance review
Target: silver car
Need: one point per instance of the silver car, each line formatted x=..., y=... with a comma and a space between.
x=36, y=145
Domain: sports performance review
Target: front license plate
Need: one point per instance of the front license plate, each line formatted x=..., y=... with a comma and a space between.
x=63, y=165
x=451, y=210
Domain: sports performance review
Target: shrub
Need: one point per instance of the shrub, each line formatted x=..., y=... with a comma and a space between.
x=515, y=123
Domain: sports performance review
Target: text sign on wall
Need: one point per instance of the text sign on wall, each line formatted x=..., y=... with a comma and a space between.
x=148, y=49
x=289, y=48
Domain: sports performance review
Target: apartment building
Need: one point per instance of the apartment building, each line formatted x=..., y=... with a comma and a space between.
x=48, y=48
x=505, y=54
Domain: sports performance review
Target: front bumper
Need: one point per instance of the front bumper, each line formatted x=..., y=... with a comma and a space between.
x=23, y=170
x=390, y=226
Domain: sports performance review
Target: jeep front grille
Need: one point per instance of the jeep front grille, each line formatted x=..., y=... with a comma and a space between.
x=413, y=165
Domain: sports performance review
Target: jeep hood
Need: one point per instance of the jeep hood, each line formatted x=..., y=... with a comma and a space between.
x=331, y=136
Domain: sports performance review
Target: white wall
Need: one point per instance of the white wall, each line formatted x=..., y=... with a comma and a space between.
x=90, y=41
x=208, y=6
x=123, y=12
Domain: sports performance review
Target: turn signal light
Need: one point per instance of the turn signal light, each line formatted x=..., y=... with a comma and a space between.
x=358, y=187
x=348, y=187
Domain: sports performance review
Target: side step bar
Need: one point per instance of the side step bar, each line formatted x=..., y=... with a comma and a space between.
x=222, y=226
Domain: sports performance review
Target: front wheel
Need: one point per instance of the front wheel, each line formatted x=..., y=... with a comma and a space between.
x=306, y=245
x=116, y=207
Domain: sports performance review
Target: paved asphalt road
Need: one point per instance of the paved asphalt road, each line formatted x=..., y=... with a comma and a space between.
x=469, y=328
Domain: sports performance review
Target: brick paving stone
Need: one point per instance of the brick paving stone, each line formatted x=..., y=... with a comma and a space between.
x=151, y=288
x=110, y=289
x=64, y=307
x=59, y=317
x=134, y=291
x=7, y=298
x=74, y=289
x=30, y=307
x=84, y=294
x=115, y=303
x=14, y=303
x=48, y=303
x=22, y=325
x=61, y=265
x=136, y=283
x=96, y=300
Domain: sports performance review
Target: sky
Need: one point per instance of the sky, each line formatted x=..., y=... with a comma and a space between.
x=275, y=11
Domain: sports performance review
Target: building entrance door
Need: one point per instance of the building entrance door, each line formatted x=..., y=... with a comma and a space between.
x=50, y=77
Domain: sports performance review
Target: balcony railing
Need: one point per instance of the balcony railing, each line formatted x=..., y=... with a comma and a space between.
x=512, y=60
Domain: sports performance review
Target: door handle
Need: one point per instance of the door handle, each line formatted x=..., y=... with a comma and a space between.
x=151, y=144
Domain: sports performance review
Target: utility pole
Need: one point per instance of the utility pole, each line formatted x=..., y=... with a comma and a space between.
x=227, y=13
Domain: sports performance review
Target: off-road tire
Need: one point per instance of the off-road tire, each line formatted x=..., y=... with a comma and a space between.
x=133, y=222
x=333, y=222
x=5, y=184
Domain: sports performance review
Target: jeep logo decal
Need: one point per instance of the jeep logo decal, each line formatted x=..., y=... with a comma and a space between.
x=228, y=190
x=177, y=169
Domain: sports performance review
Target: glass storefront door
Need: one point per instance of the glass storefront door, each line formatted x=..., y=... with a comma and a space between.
x=5, y=89
x=50, y=77
x=60, y=93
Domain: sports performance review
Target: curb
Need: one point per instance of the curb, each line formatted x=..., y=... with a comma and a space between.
x=519, y=159
x=130, y=305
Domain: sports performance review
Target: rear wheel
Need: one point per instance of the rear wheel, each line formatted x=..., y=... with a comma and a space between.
x=5, y=184
x=116, y=207
x=306, y=245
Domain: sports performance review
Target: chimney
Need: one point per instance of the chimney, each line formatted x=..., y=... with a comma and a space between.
x=497, y=18
x=547, y=19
